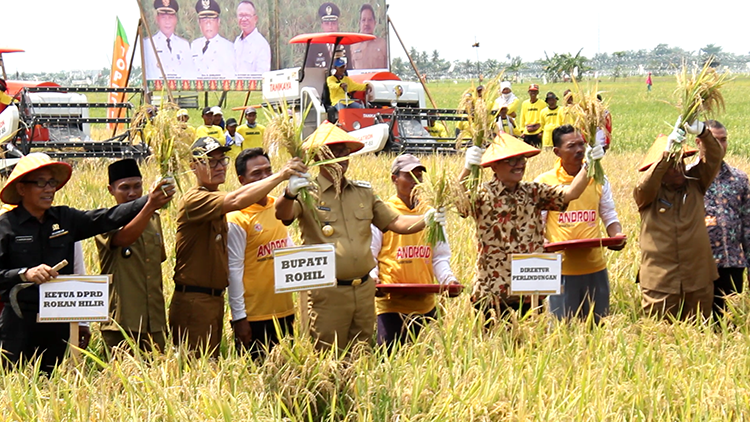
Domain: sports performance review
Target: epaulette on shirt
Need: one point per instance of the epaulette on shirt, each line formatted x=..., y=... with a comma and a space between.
x=361, y=184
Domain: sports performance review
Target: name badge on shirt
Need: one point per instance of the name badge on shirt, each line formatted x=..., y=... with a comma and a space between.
x=710, y=221
x=58, y=233
x=324, y=208
x=24, y=239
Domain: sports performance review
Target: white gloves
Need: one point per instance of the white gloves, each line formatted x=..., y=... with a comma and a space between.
x=696, y=128
x=473, y=157
x=677, y=136
x=298, y=182
x=437, y=215
x=594, y=153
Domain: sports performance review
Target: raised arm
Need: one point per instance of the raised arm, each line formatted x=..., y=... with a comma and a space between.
x=254, y=192
x=159, y=196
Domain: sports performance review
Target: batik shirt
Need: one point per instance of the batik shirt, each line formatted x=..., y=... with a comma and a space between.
x=728, y=217
x=507, y=223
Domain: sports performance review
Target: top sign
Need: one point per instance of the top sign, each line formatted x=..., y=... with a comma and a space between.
x=535, y=273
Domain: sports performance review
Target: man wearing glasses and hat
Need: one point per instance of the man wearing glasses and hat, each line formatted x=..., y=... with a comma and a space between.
x=344, y=211
x=196, y=314
x=320, y=55
x=35, y=237
x=213, y=54
x=174, y=52
x=508, y=215
x=133, y=255
x=677, y=269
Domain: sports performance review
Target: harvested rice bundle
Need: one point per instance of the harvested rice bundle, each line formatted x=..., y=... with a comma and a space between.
x=440, y=189
x=590, y=116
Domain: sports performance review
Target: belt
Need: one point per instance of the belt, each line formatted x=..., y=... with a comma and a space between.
x=195, y=289
x=355, y=282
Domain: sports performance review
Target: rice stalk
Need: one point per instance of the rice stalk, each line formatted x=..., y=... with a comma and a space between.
x=440, y=189
x=698, y=94
x=480, y=124
x=590, y=116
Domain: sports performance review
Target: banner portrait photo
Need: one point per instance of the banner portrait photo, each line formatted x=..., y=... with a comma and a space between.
x=214, y=45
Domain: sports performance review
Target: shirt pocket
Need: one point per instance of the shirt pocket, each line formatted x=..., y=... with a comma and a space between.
x=363, y=218
x=327, y=216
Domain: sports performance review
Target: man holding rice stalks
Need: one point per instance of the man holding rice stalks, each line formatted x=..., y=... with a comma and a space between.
x=342, y=214
x=407, y=259
x=254, y=233
x=196, y=314
x=677, y=270
x=133, y=255
x=508, y=215
x=584, y=271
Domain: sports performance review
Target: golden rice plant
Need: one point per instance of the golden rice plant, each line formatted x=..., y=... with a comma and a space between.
x=590, y=116
x=441, y=189
x=480, y=124
x=698, y=93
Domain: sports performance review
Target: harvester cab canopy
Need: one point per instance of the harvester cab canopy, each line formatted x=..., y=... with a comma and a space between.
x=335, y=38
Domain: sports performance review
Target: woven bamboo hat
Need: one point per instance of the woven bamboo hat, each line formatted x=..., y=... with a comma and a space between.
x=506, y=146
x=32, y=162
x=656, y=151
x=330, y=134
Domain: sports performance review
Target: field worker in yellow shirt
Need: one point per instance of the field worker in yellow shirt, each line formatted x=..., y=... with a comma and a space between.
x=436, y=129
x=340, y=85
x=552, y=118
x=208, y=128
x=506, y=123
x=507, y=99
x=531, y=117
x=566, y=110
x=188, y=134
x=406, y=258
x=254, y=233
x=251, y=131
x=584, y=271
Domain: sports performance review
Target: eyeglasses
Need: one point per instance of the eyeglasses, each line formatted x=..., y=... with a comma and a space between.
x=515, y=161
x=41, y=184
x=224, y=161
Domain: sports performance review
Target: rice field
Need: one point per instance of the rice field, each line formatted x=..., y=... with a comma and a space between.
x=630, y=368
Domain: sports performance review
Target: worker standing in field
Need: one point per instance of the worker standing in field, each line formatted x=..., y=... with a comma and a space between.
x=649, y=82
x=727, y=203
x=531, y=117
x=254, y=233
x=133, y=255
x=196, y=314
x=677, y=269
x=434, y=128
x=551, y=118
x=345, y=209
x=188, y=132
x=208, y=128
x=508, y=216
x=401, y=316
x=585, y=281
x=36, y=236
x=251, y=131
x=506, y=99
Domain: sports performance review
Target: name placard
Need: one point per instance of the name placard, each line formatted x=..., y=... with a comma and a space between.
x=75, y=298
x=304, y=268
x=535, y=273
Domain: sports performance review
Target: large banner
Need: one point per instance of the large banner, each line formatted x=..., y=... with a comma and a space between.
x=118, y=75
x=209, y=45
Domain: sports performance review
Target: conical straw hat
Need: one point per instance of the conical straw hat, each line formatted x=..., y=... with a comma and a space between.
x=656, y=151
x=330, y=134
x=506, y=146
x=32, y=162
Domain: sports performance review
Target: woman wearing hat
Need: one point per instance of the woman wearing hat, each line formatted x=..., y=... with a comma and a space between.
x=36, y=236
x=508, y=215
x=677, y=269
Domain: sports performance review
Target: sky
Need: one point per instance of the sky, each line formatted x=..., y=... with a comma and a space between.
x=79, y=34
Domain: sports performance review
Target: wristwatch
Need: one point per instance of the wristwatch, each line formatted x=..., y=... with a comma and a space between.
x=288, y=196
x=22, y=274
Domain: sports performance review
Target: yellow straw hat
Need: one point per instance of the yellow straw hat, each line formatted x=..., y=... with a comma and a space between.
x=506, y=146
x=32, y=162
x=656, y=151
x=330, y=134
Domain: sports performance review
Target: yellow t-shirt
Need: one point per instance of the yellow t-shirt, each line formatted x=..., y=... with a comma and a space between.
x=252, y=138
x=337, y=93
x=405, y=258
x=550, y=120
x=437, y=131
x=567, y=115
x=579, y=221
x=512, y=107
x=531, y=113
x=264, y=234
x=212, y=131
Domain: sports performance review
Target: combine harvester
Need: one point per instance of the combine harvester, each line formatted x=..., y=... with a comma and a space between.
x=46, y=117
x=395, y=113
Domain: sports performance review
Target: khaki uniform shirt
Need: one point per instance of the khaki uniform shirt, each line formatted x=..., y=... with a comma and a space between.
x=350, y=216
x=371, y=54
x=676, y=255
x=201, y=240
x=136, y=298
